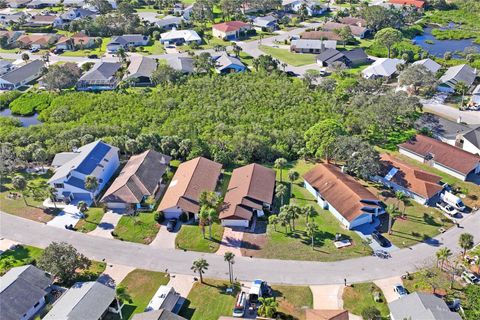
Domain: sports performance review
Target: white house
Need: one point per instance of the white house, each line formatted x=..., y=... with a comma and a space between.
x=313, y=8
x=382, y=68
x=94, y=159
x=428, y=63
x=250, y=191
x=350, y=202
x=230, y=30
x=165, y=298
x=180, y=37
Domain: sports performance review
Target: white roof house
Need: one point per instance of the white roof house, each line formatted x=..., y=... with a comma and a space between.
x=164, y=298
x=180, y=36
x=461, y=73
x=429, y=64
x=382, y=67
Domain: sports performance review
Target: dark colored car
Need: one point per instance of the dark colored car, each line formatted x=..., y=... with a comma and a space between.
x=58, y=51
x=291, y=74
x=92, y=56
x=171, y=224
x=381, y=240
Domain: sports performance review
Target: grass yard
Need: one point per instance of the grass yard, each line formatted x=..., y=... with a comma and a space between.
x=190, y=238
x=20, y=256
x=92, y=218
x=433, y=280
x=360, y=296
x=141, y=228
x=141, y=285
x=155, y=48
x=293, y=301
x=291, y=58
x=34, y=195
x=90, y=274
x=85, y=52
x=209, y=301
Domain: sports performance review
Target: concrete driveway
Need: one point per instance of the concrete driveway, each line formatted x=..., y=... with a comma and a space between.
x=70, y=215
x=181, y=283
x=114, y=274
x=327, y=297
x=107, y=225
x=387, y=287
x=166, y=239
x=231, y=242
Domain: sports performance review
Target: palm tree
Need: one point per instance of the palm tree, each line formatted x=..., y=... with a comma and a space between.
x=273, y=220
x=121, y=295
x=91, y=184
x=460, y=88
x=280, y=192
x=311, y=230
x=200, y=266
x=442, y=255
x=402, y=197
x=465, y=242
x=279, y=164
x=52, y=192
x=393, y=213
x=203, y=218
x=292, y=176
x=284, y=220
x=212, y=216
x=268, y=307
x=308, y=211
x=293, y=212
x=229, y=258
x=236, y=49
x=20, y=184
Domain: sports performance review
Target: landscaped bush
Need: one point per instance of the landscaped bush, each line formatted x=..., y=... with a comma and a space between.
x=31, y=102
x=7, y=97
x=159, y=217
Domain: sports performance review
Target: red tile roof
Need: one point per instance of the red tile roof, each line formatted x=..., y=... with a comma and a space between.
x=416, y=3
x=230, y=26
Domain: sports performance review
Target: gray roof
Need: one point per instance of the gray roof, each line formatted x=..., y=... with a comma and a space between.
x=63, y=157
x=314, y=44
x=429, y=64
x=441, y=127
x=473, y=137
x=330, y=55
x=462, y=72
x=161, y=314
x=20, y=289
x=226, y=60
x=141, y=66
x=184, y=64
x=103, y=71
x=355, y=54
x=264, y=21
x=422, y=306
x=4, y=63
x=126, y=38
x=169, y=20
x=84, y=300
x=24, y=72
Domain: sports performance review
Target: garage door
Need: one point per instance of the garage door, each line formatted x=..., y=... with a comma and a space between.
x=365, y=218
x=235, y=223
x=116, y=205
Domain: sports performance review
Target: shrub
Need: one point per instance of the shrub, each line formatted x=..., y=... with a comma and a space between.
x=7, y=97
x=370, y=313
x=183, y=217
x=29, y=103
x=159, y=217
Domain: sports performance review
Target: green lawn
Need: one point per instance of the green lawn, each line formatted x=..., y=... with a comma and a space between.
x=90, y=274
x=190, y=238
x=209, y=301
x=433, y=279
x=291, y=58
x=20, y=256
x=141, y=228
x=92, y=218
x=360, y=296
x=155, y=48
x=83, y=53
x=141, y=285
x=293, y=300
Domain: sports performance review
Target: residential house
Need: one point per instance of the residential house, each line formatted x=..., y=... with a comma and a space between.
x=187, y=12
x=346, y=59
x=353, y=21
x=161, y=314
x=444, y=157
x=23, y=291
x=22, y=75
x=5, y=66
x=419, y=305
x=165, y=298
x=36, y=40
x=311, y=46
x=475, y=99
x=471, y=141
x=382, y=68
x=7, y=19
x=39, y=4
x=419, y=4
x=230, y=30
x=42, y=20
x=170, y=22
x=190, y=180
x=348, y=200
x=96, y=159
x=11, y=36
x=313, y=8
x=461, y=73
x=139, y=179
x=103, y=76
x=140, y=70
x=180, y=37
x=315, y=314
x=430, y=64
x=74, y=3
x=77, y=41
x=421, y=186
x=320, y=35
x=445, y=130
x=126, y=41
x=183, y=64
x=358, y=32
x=226, y=63
x=17, y=3
x=266, y=23
x=76, y=14
x=250, y=191
x=85, y=300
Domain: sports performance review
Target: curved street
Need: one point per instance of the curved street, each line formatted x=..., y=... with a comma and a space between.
x=245, y=268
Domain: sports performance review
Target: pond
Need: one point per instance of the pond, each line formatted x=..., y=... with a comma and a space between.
x=26, y=121
x=439, y=47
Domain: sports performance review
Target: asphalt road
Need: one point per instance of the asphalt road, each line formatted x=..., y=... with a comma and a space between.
x=245, y=268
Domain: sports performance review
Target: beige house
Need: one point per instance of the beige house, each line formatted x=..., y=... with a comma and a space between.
x=230, y=30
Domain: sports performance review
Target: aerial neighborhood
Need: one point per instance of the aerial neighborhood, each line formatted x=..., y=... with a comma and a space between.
x=257, y=159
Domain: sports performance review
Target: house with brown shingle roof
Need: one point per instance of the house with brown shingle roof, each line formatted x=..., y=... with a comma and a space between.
x=359, y=32
x=77, y=41
x=315, y=314
x=139, y=179
x=36, y=40
x=442, y=156
x=348, y=200
x=250, y=190
x=417, y=184
x=189, y=181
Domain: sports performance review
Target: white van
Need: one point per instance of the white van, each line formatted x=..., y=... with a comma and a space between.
x=453, y=200
x=240, y=305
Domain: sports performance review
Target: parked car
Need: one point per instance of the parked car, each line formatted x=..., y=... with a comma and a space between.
x=58, y=51
x=470, y=278
x=381, y=240
x=400, y=290
x=448, y=209
x=453, y=200
x=33, y=50
x=240, y=304
x=92, y=56
x=171, y=224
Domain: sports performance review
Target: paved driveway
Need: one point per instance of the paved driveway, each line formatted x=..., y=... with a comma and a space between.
x=181, y=283
x=365, y=232
x=166, y=239
x=70, y=215
x=114, y=274
x=107, y=225
x=231, y=242
x=387, y=287
x=327, y=297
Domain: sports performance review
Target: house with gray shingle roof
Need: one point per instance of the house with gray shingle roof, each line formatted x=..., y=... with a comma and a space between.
x=226, y=63
x=461, y=73
x=382, y=68
x=94, y=159
x=103, y=76
x=268, y=23
x=422, y=306
x=170, y=22
x=126, y=41
x=312, y=46
x=182, y=64
x=23, y=291
x=471, y=141
x=22, y=76
x=141, y=69
x=428, y=63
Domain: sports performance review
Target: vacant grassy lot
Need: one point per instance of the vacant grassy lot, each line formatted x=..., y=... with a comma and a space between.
x=190, y=238
x=20, y=256
x=141, y=285
x=360, y=296
x=291, y=58
x=92, y=218
x=141, y=228
x=209, y=301
x=293, y=300
x=34, y=196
